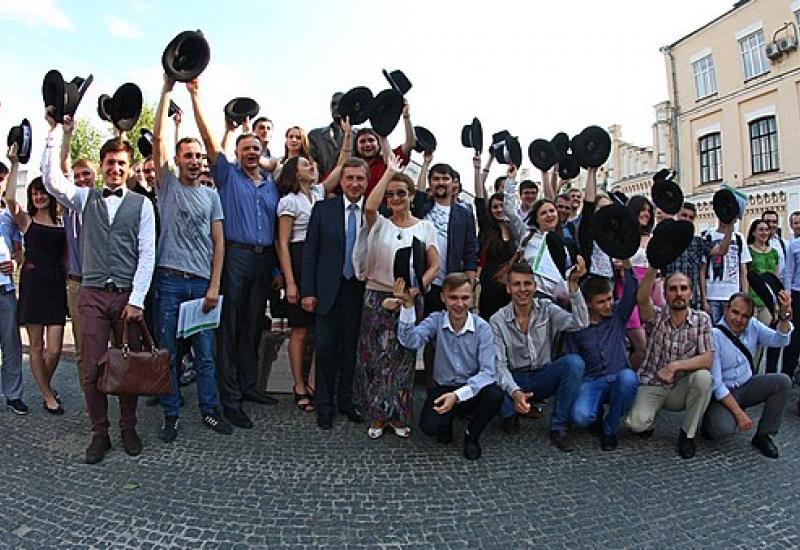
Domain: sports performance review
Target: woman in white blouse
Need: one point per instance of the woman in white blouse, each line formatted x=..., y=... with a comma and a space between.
x=386, y=368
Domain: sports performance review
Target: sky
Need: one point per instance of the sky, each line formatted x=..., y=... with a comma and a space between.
x=534, y=68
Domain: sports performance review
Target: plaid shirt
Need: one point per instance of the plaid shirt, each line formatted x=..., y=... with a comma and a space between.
x=667, y=343
x=689, y=263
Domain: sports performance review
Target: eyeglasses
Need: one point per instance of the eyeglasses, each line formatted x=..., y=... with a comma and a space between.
x=400, y=194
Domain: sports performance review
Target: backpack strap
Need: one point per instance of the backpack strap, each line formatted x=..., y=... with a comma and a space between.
x=738, y=343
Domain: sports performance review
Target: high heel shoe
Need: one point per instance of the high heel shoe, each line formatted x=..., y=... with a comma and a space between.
x=57, y=411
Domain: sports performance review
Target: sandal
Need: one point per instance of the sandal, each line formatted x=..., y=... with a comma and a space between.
x=308, y=406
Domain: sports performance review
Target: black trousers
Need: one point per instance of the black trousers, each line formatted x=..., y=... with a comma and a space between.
x=483, y=407
x=336, y=344
x=791, y=353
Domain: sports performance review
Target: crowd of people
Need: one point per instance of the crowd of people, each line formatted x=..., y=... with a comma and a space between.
x=512, y=299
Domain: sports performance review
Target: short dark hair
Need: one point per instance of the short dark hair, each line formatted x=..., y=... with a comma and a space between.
x=186, y=140
x=528, y=184
x=535, y=211
x=498, y=182
x=247, y=135
x=456, y=176
x=355, y=162
x=595, y=286
x=793, y=214
x=522, y=268
x=564, y=197
x=690, y=206
x=440, y=168
x=116, y=145
x=742, y=296
x=261, y=119
x=773, y=212
x=3, y=168
x=455, y=280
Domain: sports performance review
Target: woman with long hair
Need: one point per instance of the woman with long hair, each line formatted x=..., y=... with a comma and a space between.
x=297, y=145
x=386, y=369
x=42, y=305
x=765, y=259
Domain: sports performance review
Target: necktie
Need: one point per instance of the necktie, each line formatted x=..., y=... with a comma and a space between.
x=350, y=241
x=108, y=192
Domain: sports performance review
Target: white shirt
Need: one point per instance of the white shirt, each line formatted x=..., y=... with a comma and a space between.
x=73, y=197
x=775, y=242
x=298, y=206
x=441, y=242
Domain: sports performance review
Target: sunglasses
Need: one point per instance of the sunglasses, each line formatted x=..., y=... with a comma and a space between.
x=400, y=194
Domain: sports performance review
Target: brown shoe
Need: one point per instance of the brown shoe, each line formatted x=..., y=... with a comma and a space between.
x=562, y=440
x=96, y=450
x=131, y=442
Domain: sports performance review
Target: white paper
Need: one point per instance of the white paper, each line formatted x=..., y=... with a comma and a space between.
x=192, y=320
x=5, y=255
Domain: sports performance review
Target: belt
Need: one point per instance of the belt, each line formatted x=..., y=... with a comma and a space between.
x=76, y=278
x=254, y=248
x=184, y=274
x=111, y=287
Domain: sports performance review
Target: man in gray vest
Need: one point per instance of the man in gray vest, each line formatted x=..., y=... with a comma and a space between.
x=118, y=254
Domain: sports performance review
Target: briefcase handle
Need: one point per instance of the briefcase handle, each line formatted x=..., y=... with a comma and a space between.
x=148, y=338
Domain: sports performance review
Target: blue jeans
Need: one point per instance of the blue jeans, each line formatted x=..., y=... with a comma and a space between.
x=171, y=291
x=561, y=378
x=617, y=390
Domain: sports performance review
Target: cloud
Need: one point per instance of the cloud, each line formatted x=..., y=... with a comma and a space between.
x=122, y=28
x=35, y=13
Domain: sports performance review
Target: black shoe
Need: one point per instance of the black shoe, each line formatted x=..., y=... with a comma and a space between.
x=17, y=406
x=472, y=449
x=562, y=440
x=325, y=421
x=353, y=415
x=169, y=429
x=214, y=421
x=511, y=424
x=152, y=401
x=765, y=444
x=238, y=418
x=647, y=434
x=446, y=438
x=131, y=442
x=96, y=450
x=58, y=411
x=685, y=445
x=608, y=442
x=260, y=398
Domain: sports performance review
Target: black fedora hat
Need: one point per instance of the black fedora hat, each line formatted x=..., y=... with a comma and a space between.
x=667, y=194
x=174, y=109
x=355, y=104
x=727, y=205
x=125, y=106
x=145, y=143
x=497, y=148
x=425, y=141
x=618, y=197
x=186, y=56
x=558, y=251
x=410, y=258
x=774, y=283
x=616, y=231
x=472, y=135
x=763, y=290
x=591, y=147
x=21, y=135
x=80, y=86
x=542, y=154
x=57, y=94
x=102, y=107
x=561, y=143
x=385, y=111
x=568, y=167
x=240, y=108
x=670, y=238
x=511, y=152
x=398, y=81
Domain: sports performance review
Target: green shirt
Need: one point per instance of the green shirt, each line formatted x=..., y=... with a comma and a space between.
x=762, y=262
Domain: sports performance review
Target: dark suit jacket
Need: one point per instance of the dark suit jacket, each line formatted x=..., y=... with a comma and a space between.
x=462, y=242
x=323, y=253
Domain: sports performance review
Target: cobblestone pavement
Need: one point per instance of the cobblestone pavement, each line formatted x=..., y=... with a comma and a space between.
x=286, y=483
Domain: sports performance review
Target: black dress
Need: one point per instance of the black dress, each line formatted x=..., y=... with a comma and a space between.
x=43, y=279
x=494, y=253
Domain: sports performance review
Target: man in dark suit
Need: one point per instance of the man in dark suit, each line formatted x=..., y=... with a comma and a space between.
x=329, y=288
x=457, y=241
x=326, y=142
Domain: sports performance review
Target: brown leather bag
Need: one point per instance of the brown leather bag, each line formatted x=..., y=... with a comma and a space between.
x=501, y=275
x=127, y=372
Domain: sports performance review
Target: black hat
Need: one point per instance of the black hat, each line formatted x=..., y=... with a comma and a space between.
x=542, y=154
x=398, y=81
x=618, y=197
x=775, y=285
x=403, y=263
x=125, y=106
x=762, y=289
x=355, y=104
x=591, y=147
x=568, y=167
x=616, y=231
x=472, y=136
x=186, y=56
x=426, y=141
x=81, y=85
x=102, y=107
x=58, y=94
x=21, y=135
x=561, y=144
x=670, y=238
x=667, y=194
x=239, y=108
x=145, y=143
x=505, y=148
x=727, y=207
x=174, y=109
x=385, y=111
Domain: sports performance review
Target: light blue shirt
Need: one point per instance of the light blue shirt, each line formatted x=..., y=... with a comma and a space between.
x=10, y=234
x=791, y=270
x=464, y=358
x=730, y=367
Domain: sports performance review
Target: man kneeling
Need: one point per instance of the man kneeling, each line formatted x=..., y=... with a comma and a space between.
x=463, y=367
x=735, y=387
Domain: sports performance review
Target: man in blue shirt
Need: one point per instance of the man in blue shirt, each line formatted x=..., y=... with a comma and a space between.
x=249, y=202
x=735, y=387
x=463, y=366
x=791, y=282
x=607, y=376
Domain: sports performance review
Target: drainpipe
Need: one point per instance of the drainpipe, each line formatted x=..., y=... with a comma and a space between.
x=667, y=50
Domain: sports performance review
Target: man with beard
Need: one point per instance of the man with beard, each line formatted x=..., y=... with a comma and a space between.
x=775, y=240
x=675, y=372
x=456, y=240
x=249, y=201
x=326, y=142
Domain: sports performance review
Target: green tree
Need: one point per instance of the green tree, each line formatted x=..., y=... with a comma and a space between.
x=86, y=141
x=146, y=120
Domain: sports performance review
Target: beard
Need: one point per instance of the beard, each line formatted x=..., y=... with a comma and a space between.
x=678, y=305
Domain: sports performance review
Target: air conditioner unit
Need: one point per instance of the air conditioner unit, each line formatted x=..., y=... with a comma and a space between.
x=773, y=51
x=787, y=43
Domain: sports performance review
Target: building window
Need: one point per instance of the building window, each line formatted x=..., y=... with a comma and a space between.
x=710, y=158
x=754, y=58
x=705, y=79
x=764, y=145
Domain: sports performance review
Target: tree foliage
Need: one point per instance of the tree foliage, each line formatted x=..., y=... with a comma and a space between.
x=146, y=120
x=86, y=141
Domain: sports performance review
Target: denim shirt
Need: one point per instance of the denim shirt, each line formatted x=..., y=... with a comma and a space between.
x=10, y=234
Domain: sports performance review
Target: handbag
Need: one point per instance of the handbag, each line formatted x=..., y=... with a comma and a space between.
x=501, y=275
x=127, y=372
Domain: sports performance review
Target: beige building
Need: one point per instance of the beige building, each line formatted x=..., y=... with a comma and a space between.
x=734, y=105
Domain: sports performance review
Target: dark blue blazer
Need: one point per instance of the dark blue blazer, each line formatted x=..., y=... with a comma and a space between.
x=462, y=242
x=323, y=253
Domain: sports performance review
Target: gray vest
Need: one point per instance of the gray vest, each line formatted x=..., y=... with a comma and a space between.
x=110, y=252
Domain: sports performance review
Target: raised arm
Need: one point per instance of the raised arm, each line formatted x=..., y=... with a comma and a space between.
x=485, y=172
x=646, y=311
x=20, y=215
x=590, y=193
x=721, y=248
x=516, y=226
x=375, y=198
x=213, y=148
x=69, y=128
x=160, y=152
x=56, y=183
x=411, y=138
x=332, y=180
x=422, y=179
